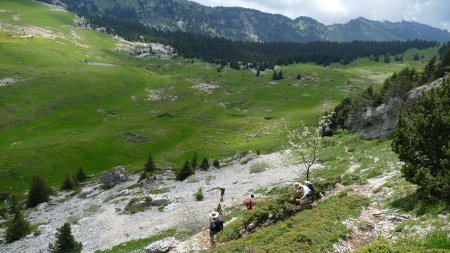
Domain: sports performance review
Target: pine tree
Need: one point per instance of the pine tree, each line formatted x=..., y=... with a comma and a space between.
x=274, y=75
x=422, y=141
x=68, y=183
x=81, y=175
x=216, y=163
x=194, y=161
x=65, y=242
x=18, y=228
x=38, y=193
x=150, y=165
x=184, y=172
x=280, y=75
x=13, y=204
x=204, y=165
x=143, y=176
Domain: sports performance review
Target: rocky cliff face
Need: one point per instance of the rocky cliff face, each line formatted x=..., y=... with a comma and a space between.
x=379, y=122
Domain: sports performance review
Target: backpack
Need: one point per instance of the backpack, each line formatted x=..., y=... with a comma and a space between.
x=217, y=225
x=311, y=187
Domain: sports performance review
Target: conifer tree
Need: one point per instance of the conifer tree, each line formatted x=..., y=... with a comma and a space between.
x=18, y=228
x=65, y=242
x=204, y=165
x=143, y=176
x=13, y=204
x=194, y=161
x=422, y=141
x=150, y=165
x=274, y=75
x=184, y=172
x=280, y=75
x=81, y=175
x=68, y=183
x=216, y=163
x=39, y=192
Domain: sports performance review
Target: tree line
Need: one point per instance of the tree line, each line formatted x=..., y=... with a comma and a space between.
x=245, y=54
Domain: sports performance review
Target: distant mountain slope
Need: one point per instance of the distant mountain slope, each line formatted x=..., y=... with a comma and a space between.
x=247, y=24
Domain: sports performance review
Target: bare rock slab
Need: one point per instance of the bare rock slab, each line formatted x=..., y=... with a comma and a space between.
x=162, y=246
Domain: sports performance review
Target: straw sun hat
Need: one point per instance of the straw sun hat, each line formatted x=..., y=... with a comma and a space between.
x=214, y=214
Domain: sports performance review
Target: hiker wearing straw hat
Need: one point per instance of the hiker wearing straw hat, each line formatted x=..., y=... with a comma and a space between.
x=215, y=226
x=306, y=198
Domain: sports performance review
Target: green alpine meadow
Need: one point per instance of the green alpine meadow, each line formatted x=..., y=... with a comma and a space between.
x=134, y=126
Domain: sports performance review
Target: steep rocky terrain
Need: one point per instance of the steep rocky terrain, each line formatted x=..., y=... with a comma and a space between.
x=379, y=122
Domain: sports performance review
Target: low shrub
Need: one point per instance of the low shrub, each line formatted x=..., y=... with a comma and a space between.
x=199, y=194
x=308, y=231
x=259, y=167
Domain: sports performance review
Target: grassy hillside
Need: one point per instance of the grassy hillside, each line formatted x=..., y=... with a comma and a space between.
x=62, y=113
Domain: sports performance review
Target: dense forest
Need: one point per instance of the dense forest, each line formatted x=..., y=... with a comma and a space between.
x=243, y=54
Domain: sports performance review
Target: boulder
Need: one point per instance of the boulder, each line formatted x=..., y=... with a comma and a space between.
x=85, y=192
x=111, y=179
x=160, y=202
x=162, y=246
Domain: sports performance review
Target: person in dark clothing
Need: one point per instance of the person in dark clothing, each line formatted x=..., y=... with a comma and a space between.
x=222, y=192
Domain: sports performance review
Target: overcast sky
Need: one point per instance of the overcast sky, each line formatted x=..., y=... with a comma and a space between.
x=431, y=12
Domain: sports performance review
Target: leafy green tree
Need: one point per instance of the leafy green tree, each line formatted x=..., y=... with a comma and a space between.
x=150, y=164
x=422, y=141
x=81, y=175
x=184, y=172
x=17, y=228
x=204, y=165
x=194, y=163
x=216, y=163
x=65, y=242
x=304, y=145
x=68, y=183
x=39, y=192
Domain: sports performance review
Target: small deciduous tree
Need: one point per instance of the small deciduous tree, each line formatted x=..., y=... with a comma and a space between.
x=39, y=192
x=65, y=242
x=150, y=164
x=17, y=228
x=304, y=144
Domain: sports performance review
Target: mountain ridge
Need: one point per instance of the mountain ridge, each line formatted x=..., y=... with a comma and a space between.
x=238, y=23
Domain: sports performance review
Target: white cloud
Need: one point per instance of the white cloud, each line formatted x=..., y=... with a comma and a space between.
x=431, y=12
